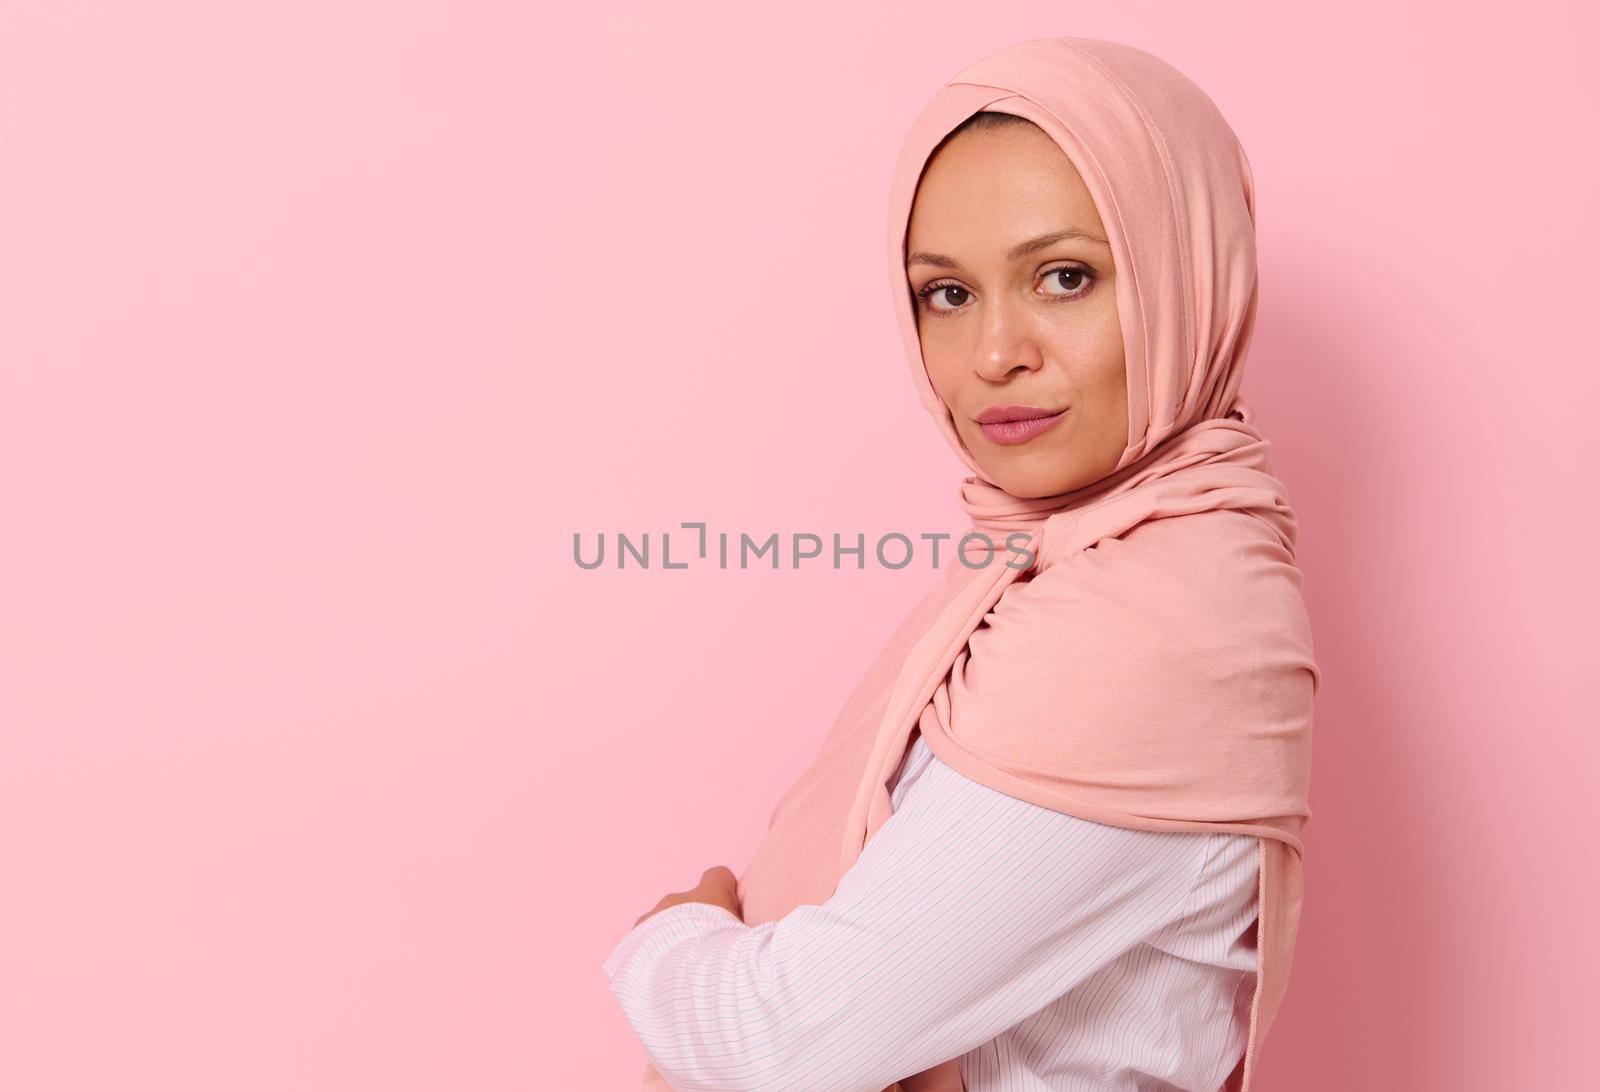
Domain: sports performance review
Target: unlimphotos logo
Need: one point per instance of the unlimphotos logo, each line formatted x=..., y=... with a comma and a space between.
x=741, y=550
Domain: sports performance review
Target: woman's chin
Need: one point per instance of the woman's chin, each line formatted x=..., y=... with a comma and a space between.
x=1030, y=475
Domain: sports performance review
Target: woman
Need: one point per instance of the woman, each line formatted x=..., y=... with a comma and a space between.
x=1053, y=839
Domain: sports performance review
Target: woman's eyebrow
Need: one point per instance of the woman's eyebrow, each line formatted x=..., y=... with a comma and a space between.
x=1021, y=250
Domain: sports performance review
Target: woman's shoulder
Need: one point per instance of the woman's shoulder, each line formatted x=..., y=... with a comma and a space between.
x=1199, y=573
x=1228, y=544
x=1217, y=853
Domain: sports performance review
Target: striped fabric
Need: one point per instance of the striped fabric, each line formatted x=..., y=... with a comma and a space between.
x=1047, y=951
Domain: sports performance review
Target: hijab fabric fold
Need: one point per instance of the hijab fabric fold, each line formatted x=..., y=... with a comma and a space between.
x=1152, y=668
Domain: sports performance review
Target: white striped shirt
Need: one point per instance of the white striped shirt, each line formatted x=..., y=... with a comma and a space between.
x=1045, y=950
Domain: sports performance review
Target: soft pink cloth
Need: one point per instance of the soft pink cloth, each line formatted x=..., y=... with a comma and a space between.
x=1154, y=668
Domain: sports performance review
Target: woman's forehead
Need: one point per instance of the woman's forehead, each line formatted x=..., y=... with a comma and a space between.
x=999, y=196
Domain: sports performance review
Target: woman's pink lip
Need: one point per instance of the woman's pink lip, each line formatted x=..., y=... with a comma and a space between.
x=1018, y=432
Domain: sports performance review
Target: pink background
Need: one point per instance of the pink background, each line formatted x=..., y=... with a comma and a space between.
x=324, y=327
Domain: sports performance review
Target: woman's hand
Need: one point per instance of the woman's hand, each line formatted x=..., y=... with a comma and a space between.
x=718, y=886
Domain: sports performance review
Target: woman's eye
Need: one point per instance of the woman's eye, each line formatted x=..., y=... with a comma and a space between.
x=1073, y=279
x=953, y=294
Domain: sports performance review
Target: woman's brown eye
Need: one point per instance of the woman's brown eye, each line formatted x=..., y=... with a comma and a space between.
x=944, y=293
x=1071, y=278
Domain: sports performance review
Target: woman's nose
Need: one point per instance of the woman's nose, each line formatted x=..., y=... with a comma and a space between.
x=1006, y=345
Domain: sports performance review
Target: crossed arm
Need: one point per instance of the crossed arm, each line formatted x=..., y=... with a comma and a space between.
x=968, y=911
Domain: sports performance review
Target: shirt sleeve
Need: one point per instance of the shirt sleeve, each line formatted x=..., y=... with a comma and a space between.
x=968, y=911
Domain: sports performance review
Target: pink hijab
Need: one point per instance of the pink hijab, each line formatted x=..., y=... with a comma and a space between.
x=1153, y=668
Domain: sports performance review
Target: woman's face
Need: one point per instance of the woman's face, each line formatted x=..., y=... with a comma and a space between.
x=1016, y=304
